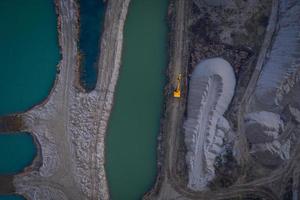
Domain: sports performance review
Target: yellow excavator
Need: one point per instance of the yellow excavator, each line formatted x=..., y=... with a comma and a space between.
x=176, y=92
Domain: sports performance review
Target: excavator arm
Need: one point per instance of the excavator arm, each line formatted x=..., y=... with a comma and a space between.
x=177, y=92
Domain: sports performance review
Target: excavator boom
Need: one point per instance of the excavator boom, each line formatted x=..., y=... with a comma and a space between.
x=177, y=92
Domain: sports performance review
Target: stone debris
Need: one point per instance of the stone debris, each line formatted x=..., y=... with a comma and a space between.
x=295, y=113
x=264, y=131
x=43, y=192
x=271, y=154
x=271, y=139
x=263, y=126
x=211, y=90
x=270, y=126
x=281, y=71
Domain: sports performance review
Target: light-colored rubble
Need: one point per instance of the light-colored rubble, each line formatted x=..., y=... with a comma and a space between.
x=262, y=126
x=277, y=89
x=270, y=138
x=281, y=71
x=295, y=113
x=40, y=192
x=271, y=154
x=211, y=90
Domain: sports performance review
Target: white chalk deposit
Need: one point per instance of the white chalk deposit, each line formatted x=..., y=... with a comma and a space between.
x=211, y=90
x=281, y=70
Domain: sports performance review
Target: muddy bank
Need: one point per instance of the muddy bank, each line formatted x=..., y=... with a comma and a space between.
x=7, y=186
x=11, y=123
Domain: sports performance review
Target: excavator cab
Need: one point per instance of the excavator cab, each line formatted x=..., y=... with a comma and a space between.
x=176, y=92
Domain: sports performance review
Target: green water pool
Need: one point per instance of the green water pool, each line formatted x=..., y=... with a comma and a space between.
x=92, y=14
x=11, y=197
x=16, y=152
x=135, y=119
x=29, y=53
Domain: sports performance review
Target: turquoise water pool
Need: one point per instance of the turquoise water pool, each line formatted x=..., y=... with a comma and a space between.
x=29, y=54
x=135, y=119
x=92, y=14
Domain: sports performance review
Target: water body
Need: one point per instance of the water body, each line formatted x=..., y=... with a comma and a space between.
x=135, y=119
x=11, y=197
x=16, y=152
x=92, y=14
x=29, y=53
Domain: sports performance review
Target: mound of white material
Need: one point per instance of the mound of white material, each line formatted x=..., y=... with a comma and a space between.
x=281, y=71
x=211, y=90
